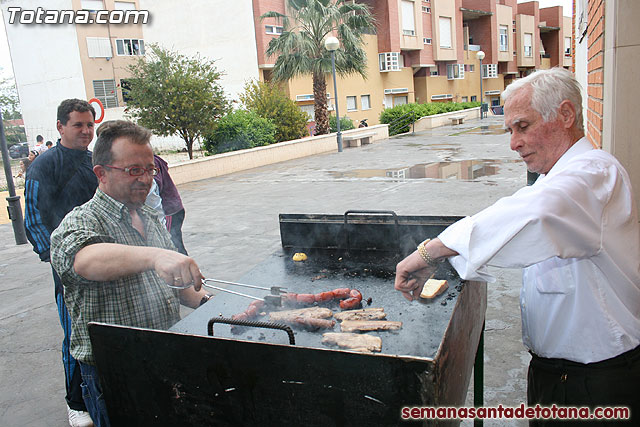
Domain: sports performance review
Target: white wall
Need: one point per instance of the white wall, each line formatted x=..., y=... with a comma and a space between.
x=222, y=30
x=620, y=93
x=582, y=46
x=46, y=66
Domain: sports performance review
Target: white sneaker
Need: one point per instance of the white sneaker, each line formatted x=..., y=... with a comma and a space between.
x=79, y=418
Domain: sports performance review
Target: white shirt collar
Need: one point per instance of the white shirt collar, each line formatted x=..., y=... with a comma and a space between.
x=580, y=147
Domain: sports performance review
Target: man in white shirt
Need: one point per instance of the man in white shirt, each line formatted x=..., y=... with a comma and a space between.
x=576, y=234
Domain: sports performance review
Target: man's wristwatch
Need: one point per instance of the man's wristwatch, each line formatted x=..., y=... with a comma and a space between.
x=205, y=298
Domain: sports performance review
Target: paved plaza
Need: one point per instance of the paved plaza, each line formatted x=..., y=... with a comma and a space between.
x=232, y=225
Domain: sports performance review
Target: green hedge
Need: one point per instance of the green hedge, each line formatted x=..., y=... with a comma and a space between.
x=239, y=130
x=345, y=124
x=415, y=111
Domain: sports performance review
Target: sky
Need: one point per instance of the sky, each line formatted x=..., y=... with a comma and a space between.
x=7, y=71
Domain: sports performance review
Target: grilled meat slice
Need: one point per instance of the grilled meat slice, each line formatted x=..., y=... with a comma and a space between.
x=364, y=314
x=369, y=325
x=358, y=342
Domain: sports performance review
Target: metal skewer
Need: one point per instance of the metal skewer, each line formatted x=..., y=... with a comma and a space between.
x=268, y=299
x=275, y=290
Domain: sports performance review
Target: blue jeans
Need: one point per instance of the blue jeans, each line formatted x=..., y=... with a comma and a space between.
x=71, y=370
x=92, y=395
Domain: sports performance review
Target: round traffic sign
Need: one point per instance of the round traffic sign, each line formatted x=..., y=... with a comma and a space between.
x=97, y=105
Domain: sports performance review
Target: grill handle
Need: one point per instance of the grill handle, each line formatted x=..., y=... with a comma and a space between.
x=368, y=212
x=254, y=324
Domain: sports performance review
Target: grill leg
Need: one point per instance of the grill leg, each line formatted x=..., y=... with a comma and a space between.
x=478, y=377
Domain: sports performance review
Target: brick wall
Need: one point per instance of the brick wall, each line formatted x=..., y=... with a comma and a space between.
x=595, y=71
x=573, y=38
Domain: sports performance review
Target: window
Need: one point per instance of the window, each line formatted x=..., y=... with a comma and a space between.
x=465, y=98
x=528, y=44
x=455, y=71
x=105, y=91
x=309, y=110
x=92, y=5
x=124, y=5
x=365, y=102
x=504, y=41
x=426, y=9
x=400, y=100
x=408, y=20
x=567, y=46
x=469, y=67
x=445, y=32
x=426, y=40
x=352, y=103
x=99, y=47
x=489, y=71
x=389, y=61
x=273, y=29
x=434, y=71
x=129, y=47
x=474, y=98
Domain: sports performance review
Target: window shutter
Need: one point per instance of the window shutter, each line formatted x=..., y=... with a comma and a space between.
x=445, y=32
x=408, y=20
x=98, y=47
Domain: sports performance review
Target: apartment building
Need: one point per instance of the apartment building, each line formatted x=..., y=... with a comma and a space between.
x=426, y=51
x=420, y=51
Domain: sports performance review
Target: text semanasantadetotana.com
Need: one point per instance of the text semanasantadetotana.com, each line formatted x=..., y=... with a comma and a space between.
x=519, y=412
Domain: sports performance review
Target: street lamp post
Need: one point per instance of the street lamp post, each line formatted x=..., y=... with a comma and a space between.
x=480, y=56
x=13, y=201
x=332, y=44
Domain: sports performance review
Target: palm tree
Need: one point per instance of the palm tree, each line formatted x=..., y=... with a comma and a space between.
x=300, y=47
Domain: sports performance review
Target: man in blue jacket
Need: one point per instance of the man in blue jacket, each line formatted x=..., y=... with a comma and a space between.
x=59, y=180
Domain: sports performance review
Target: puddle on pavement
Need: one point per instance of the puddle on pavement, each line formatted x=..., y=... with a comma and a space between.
x=483, y=130
x=466, y=170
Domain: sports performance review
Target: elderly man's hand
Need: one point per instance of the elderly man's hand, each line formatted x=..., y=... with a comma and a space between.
x=178, y=270
x=411, y=274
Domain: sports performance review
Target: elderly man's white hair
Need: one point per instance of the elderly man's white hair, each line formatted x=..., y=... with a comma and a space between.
x=550, y=88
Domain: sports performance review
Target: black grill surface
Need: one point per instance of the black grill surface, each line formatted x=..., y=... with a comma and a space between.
x=373, y=274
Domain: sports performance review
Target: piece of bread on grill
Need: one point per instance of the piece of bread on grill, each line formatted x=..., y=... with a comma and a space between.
x=432, y=288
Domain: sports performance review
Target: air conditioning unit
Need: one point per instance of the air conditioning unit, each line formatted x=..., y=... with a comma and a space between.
x=397, y=90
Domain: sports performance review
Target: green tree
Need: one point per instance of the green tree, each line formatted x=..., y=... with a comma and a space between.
x=239, y=130
x=172, y=94
x=268, y=100
x=10, y=107
x=300, y=47
x=9, y=102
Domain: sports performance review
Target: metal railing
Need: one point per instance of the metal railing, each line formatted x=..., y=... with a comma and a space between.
x=403, y=123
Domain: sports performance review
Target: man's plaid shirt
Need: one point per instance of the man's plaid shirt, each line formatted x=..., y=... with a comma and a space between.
x=141, y=300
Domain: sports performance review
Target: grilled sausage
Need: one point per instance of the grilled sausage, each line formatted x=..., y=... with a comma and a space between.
x=353, y=301
x=349, y=303
x=324, y=296
x=306, y=298
x=341, y=293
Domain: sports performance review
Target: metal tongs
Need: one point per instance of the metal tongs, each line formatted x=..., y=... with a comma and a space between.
x=275, y=298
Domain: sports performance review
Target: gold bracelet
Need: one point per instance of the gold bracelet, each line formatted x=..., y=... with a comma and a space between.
x=426, y=256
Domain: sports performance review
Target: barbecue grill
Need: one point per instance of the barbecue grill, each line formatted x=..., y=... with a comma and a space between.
x=256, y=376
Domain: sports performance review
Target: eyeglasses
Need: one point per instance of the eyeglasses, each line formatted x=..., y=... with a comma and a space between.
x=136, y=171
